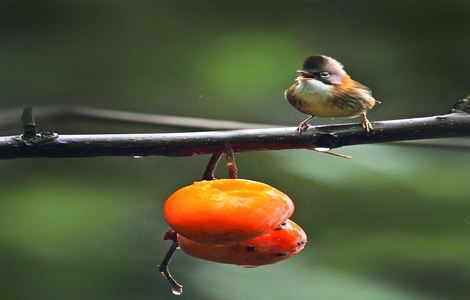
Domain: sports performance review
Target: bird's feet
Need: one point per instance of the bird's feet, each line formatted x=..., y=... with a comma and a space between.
x=367, y=125
x=302, y=127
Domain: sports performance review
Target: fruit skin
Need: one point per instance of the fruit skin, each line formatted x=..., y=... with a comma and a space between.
x=278, y=244
x=226, y=210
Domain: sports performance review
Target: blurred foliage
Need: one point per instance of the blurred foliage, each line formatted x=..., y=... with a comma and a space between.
x=393, y=223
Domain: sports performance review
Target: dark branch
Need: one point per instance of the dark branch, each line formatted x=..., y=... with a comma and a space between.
x=9, y=119
x=163, y=268
x=29, y=125
x=462, y=106
x=453, y=124
x=209, y=172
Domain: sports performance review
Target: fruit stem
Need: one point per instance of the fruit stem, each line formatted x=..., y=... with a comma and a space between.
x=211, y=166
x=231, y=165
x=176, y=288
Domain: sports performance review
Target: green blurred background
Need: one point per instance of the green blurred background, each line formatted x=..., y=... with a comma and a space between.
x=393, y=223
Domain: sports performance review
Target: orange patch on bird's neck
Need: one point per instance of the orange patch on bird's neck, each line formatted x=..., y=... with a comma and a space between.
x=347, y=82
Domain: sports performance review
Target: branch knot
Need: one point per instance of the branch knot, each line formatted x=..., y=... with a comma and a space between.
x=462, y=106
x=38, y=139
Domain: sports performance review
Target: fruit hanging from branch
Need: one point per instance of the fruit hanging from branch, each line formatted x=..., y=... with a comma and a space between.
x=232, y=221
x=278, y=244
x=226, y=210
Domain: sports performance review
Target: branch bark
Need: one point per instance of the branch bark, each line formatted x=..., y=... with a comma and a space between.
x=456, y=123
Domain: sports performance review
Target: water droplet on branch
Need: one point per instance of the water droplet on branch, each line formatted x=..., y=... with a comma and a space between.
x=177, y=291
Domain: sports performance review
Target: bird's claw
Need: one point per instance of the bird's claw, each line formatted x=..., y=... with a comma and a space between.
x=367, y=125
x=302, y=127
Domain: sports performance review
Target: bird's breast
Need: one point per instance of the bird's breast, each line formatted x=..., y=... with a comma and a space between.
x=313, y=89
x=313, y=97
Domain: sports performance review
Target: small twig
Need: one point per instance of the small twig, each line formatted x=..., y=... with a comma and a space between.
x=462, y=106
x=231, y=164
x=170, y=235
x=9, y=117
x=163, y=268
x=165, y=120
x=327, y=151
x=209, y=172
x=29, y=125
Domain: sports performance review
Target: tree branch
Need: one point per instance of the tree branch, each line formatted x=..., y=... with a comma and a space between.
x=456, y=123
x=9, y=119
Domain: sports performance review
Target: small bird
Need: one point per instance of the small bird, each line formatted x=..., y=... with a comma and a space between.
x=324, y=89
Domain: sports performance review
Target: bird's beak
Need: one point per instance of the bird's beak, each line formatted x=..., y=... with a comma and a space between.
x=305, y=74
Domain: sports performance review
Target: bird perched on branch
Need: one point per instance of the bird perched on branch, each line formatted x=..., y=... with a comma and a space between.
x=324, y=89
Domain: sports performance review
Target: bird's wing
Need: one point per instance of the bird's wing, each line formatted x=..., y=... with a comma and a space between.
x=365, y=88
x=368, y=90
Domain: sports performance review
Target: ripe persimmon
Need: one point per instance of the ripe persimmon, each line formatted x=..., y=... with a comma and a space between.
x=226, y=210
x=277, y=244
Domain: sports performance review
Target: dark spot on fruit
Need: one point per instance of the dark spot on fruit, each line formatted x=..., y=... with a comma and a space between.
x=278, y=228
x=301, y=243
x=284, y=224
x=250, y=248
x=281, y=254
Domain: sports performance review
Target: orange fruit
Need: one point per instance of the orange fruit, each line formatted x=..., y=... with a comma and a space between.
x=226, y=210
x=278, y=244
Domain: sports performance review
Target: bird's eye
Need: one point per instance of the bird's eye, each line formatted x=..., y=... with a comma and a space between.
x=324, y=74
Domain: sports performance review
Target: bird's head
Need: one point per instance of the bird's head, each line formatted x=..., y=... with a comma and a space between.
x=322, y=68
